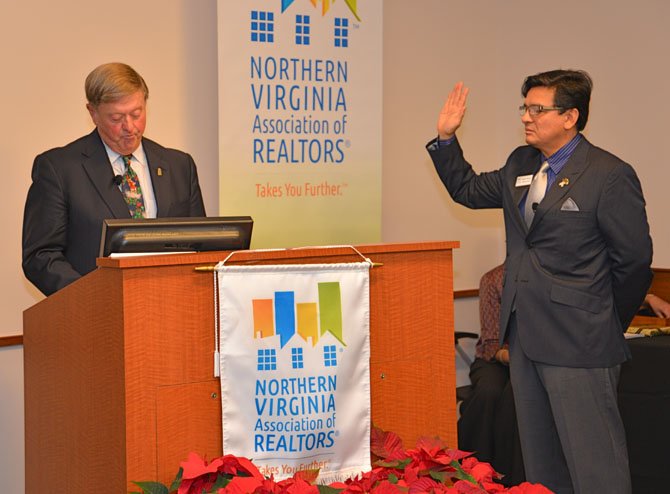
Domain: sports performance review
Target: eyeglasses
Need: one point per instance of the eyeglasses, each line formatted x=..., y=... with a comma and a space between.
x=535, y=110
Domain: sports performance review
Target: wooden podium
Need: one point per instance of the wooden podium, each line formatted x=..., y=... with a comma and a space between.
x=119, y=382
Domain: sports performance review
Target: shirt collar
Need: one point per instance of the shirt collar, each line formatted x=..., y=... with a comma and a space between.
x=558, y=160
x=113, y=156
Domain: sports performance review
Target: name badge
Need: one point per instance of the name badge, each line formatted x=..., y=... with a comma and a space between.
x=523, y=180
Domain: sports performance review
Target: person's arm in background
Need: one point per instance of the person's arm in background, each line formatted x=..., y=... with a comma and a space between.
x=659, y=306
x=490, y=295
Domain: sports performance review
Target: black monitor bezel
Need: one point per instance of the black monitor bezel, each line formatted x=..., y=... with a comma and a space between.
x=184, y=234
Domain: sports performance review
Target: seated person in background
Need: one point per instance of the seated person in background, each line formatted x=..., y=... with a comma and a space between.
x=487, y=425
x=655, y=306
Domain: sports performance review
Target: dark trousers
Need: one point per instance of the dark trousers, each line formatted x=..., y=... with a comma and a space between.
x=488, y=424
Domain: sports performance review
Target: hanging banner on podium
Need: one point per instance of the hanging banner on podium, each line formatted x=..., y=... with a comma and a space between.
x=294, y=362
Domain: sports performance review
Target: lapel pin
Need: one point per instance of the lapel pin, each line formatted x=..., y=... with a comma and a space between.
x=564, y=182
x=159, y=172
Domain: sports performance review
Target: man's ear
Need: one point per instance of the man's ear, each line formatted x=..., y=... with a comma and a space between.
x=92, y=111
x=571, y=116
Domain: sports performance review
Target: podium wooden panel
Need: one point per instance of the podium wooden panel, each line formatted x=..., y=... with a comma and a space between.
x=118, y=365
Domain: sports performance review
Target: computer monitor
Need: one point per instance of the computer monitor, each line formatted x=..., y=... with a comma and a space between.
x=163, y=235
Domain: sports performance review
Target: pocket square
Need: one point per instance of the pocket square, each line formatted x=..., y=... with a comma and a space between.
x=569, y=205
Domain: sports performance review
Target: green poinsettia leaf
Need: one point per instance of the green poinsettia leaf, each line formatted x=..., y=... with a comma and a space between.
x=393, y=478
x=461, y=474
x=397, y=464
x=152, y=487
x=441, y=477
x=324, y=489
x=221, y=482
x=177, y=480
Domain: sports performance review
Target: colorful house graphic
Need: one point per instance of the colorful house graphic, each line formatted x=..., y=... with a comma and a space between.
x=286, y=318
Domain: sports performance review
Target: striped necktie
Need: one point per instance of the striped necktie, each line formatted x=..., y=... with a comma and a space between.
x=132, y=192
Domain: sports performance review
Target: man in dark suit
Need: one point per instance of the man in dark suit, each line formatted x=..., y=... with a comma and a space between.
x=113, y=172
x=577, y=269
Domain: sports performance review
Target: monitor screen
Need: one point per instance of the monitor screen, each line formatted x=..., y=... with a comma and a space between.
x=175, y=234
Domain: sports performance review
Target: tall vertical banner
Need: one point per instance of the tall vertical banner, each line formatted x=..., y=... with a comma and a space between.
x=300, y=113
x=294, y=362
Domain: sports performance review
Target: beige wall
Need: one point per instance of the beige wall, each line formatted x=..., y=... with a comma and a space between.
x=49, y=47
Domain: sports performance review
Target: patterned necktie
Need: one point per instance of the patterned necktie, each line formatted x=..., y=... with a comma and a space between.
x=538, y=188
x=130, y=186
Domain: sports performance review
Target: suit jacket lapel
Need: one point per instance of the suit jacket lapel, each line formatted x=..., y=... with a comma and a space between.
x=159, y=169
x=96, y=165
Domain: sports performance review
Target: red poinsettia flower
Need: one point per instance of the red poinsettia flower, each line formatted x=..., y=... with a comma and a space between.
x=198, y=475
x=387, y=487
x=528, y=488
x=199, y=484
x=309, y=476
x=424, y=484
x=481, y=471
x=195, y=466
x=465, y=487
x=368, y=481
x=385, y=444
x=237, y=465
x=298, y=486
x=241, y=485
x=432, y=453
x=493, y=487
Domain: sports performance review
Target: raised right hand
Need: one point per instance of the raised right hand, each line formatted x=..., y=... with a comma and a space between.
x=452, y=112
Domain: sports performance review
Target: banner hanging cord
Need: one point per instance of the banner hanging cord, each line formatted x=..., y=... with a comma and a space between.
x=369, y=261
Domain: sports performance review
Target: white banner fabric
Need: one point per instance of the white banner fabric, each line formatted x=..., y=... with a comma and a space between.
x=295, y=376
